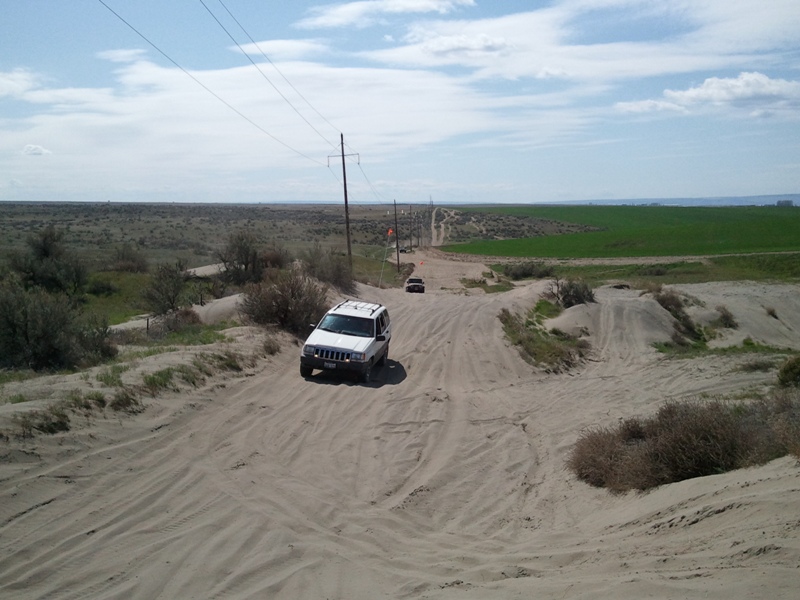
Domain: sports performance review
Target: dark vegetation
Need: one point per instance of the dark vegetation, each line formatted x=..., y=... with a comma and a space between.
x=42, y=324
x=688, y=439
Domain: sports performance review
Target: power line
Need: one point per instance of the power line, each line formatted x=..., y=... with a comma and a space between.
x=264, y=75
x=274, y=66
x=209, y=90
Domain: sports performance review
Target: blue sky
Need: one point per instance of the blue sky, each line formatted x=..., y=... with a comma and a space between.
x=450, y=100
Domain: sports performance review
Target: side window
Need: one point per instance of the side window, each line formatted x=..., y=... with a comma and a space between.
x=385, y=319
x=381, y=324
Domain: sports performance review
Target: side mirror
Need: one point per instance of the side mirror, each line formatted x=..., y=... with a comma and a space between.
x=381, y=338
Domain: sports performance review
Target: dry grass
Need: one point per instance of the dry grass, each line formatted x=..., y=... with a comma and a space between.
x=688, y=439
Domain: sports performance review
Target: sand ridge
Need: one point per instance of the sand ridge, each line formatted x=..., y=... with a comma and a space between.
x=442, y=479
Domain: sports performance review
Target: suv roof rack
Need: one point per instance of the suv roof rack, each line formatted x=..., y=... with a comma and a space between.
x=359, y=305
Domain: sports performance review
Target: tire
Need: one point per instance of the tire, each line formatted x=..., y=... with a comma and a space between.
x=366, y=376
x=305, y=371
x=385, y=355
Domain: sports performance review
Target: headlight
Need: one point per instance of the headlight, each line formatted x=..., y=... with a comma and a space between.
x=358, y=356
x=308, y=350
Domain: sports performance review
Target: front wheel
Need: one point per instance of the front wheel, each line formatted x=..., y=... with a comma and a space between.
x=305, y=371
x=382, y=361
x=366, y=376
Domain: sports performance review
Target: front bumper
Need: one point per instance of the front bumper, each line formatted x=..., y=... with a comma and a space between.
x=332, y=365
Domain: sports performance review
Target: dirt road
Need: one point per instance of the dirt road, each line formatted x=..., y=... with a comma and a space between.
x=442, y=479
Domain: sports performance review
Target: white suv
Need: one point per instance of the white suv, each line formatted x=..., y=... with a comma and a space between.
x=352, y=336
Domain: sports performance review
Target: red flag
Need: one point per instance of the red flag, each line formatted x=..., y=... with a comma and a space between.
x=391, y=231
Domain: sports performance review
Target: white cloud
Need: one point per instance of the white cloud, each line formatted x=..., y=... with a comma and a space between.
x=17, y=82
x=367, y=12
x=122, y=56
x=746, y=88
x=34, y=150
x=287, y=49
x=755, y=92
x=646, y=106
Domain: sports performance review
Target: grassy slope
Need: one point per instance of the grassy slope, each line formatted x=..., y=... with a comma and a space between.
x=632, y=231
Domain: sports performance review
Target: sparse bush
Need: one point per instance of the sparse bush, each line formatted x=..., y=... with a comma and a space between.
x=672, y=303
x=726, y=318
x=167, y=286
x=46, y=331
x=112, y=376
x=159, y=380
x=125, y=400
x=230, y=361
x=329, y=267
x=789, y=373
x=757, y=365
x=529, y=269
x=129, y=258
x=244, y=262
x=570, y=292
x=97, y=397
x=771, y=312
x=180, y=319
x=49, y=265
x=685, y=440
x=101, y=287
x=271, y=346
x=292, y=302
x=51, y=420
x=189, y=375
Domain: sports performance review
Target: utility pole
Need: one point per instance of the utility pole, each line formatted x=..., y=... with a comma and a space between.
x=396, y=236
x=346, y=209
x=410, y=230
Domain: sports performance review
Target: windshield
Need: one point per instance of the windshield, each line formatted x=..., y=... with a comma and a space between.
x=347, y=325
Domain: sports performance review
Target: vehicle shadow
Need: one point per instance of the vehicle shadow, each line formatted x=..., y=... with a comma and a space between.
x=392, y=373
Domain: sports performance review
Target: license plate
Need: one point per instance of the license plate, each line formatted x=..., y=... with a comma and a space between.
x=330, y=365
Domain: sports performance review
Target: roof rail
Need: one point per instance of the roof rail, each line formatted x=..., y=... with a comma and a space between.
x=360, y=305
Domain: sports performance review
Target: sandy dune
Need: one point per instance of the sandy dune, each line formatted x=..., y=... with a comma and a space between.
x=443, y=479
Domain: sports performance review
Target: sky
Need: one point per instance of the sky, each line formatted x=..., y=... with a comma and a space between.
x=443, y=101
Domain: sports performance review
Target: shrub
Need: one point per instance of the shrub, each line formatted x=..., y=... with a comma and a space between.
x=244, y=262
x=685, y=440
x=53, y=419
x=129, y=258
x=158, y=381
x=125, y=400
x=271, y=346
x=789, y=373
x=529, y=269
x=166, y=289
x=726, y=318
x=46, y=331
x=329, y=267
x=672, y=303
x=570, y=292
x=292, y=302
x=49, y=265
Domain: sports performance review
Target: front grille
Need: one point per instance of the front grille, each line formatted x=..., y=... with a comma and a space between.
x=329, y=354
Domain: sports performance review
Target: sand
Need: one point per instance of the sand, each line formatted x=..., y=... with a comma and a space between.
x=444, y=478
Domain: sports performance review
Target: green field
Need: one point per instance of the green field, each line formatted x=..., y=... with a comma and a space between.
x=636, y=231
